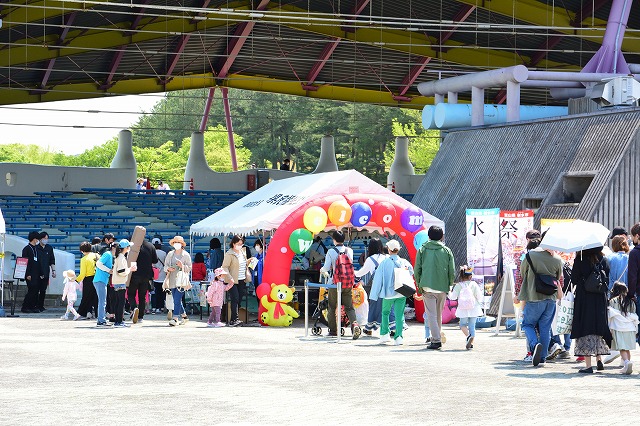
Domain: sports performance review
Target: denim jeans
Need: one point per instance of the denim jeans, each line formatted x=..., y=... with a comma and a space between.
x=101, y=290
x=567, y=341
x=538, y=314
x=471, y=323
x=374, y=319
x=177, y=303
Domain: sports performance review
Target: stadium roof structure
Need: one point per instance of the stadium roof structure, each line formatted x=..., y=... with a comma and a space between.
x=371, y=51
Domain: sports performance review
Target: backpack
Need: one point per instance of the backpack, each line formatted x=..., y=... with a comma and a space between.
x=466, y=298
x=343, y=270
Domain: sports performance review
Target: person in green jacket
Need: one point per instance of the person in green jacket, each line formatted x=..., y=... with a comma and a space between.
x=434, y=273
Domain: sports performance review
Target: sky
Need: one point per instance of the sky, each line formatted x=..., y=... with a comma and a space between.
x=50, y=124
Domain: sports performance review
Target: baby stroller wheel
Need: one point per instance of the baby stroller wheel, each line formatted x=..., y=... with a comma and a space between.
x=341, y=331
x=316, y=331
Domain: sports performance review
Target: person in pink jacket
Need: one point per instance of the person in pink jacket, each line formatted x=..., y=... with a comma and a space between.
x=215, y=296
x=70, y=293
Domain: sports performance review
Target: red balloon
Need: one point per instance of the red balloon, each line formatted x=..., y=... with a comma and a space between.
x=384, y=214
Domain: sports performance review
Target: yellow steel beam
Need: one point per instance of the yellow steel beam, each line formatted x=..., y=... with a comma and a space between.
x=197, y=81
x=538, y=13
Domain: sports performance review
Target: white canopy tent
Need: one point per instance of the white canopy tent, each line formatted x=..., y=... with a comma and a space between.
x=266, y=208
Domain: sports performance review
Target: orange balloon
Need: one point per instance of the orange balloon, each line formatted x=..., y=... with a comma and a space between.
x=339, y=212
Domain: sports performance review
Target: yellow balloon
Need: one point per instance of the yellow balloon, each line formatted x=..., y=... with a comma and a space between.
x=315, y=219
x=339, y=212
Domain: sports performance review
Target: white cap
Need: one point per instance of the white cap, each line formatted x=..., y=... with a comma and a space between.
x=155, y=241
x=393, y=245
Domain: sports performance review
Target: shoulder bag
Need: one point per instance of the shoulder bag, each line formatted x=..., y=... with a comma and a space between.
x=403, y=281
x=545, y=284
x=597, y=281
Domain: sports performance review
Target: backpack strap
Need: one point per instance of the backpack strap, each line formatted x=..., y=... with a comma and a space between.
x=375, y=262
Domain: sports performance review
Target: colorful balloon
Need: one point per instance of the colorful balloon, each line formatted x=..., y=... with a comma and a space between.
x=300, y=240
x=315, y=219
x=411, y=219
x=384, y=214
x=360, y=214
x=420, y=238
x=339, y=212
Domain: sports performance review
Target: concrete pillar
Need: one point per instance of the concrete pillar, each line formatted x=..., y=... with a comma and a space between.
x=124, y=158
x=513, y=101
x=477, y=106
x=197, y=167
x=327, y=161
x=401, y=167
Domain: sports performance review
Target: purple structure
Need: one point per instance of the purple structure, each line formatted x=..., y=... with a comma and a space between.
x=609, y=58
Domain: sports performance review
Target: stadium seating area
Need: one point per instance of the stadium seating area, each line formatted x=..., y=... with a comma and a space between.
x=71, y=218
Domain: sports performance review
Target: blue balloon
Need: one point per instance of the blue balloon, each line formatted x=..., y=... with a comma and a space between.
x=361, y=214
x=420, y=238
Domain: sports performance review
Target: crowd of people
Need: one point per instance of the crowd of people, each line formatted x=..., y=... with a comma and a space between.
x=605, y=320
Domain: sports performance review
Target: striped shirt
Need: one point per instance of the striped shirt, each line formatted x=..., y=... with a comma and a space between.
x=242, y=260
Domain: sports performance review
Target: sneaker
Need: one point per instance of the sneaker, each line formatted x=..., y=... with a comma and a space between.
x=554, y=351
x=397, y=341
x=140, y=320
x=528, y=357
x=356, y=331
x=537, y=355
x=220, y=324
x=600, y=366
x=367, y=332
x=121, y=325
x=173, y=322
x=427, y=340
x=443, y=338
x=210, y=324
x=128, y=313
x=435, y=345
x=332, y=334
x=469, y=342
x=182, y=322
x=235, y=323
x=153, y=311
x=586, y=370
x=134, y=315
x=629, y=366
x=88, y=317
x=611, y=357
x=76, y=317
x=64, y=317
x=385, y=338
x=104, y=324
x=564, y=355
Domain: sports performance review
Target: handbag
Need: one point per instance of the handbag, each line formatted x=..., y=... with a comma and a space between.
x=545, y=284
x=403, y=282
x=168, y=301
x=563, y=319
x=597, y=281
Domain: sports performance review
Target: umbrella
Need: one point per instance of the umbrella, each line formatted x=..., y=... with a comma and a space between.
x=575, y=236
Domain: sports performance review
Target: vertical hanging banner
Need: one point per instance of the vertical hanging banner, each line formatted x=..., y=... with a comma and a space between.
x=513, y=229
x=483, y=239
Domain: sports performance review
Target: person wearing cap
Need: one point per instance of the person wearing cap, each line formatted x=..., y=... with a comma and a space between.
x=141, y=280
x=177, y=264
x=121, y=271
x=215, y=296
x=47, y=263
x=101, y=279
x=32, y=274
x=383, y=288
x=435, y=272
x=101, y=248
x=157, y=298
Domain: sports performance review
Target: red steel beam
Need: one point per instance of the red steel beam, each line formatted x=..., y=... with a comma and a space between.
x=589, y=8
x=462, y=15
x=239, y=38
x=408, y=81
x=68, y=20
x=328, y=50
x=182, y=43
x=140, y=15
x=115, y=63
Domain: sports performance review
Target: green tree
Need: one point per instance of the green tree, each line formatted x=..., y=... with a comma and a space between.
x=423, y=146
x=216, y=150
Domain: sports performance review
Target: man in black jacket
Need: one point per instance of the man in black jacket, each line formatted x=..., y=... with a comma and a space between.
x=47, y=262
x=32, y=276
x=141, y=280
x=634, y=268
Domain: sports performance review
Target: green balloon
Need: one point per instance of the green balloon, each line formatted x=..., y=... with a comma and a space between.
x=300, y=240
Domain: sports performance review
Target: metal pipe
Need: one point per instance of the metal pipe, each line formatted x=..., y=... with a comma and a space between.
x=481, y=80
x=450, y=116
x=563, y=93
x=549, y=84
x=575, y=76
x=513, y=101
x=207, y=108
x=452, y=97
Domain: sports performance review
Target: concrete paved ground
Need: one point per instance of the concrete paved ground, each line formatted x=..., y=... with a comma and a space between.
x=55, y=372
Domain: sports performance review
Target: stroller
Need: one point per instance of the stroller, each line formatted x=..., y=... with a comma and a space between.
x=320, y=315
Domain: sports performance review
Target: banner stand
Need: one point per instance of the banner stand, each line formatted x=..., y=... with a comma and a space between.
x=507, y=280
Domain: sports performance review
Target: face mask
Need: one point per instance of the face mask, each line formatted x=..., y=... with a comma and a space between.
x=259, y=249
x=177, y=246
x=44, y=241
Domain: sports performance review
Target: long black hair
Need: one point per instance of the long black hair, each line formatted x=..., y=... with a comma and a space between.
x=620, y=290
x=593, y=255
x=375, y=247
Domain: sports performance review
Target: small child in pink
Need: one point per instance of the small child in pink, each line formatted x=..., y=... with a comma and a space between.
x=70, y=293
x=215, y=296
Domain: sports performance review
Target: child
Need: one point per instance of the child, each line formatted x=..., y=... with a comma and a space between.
x=468, y=295
x=69, y=292
x=198, y=269
x=215, y=297
x=623, y=322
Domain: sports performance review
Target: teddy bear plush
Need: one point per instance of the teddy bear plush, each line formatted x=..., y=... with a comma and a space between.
x=277, y=312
